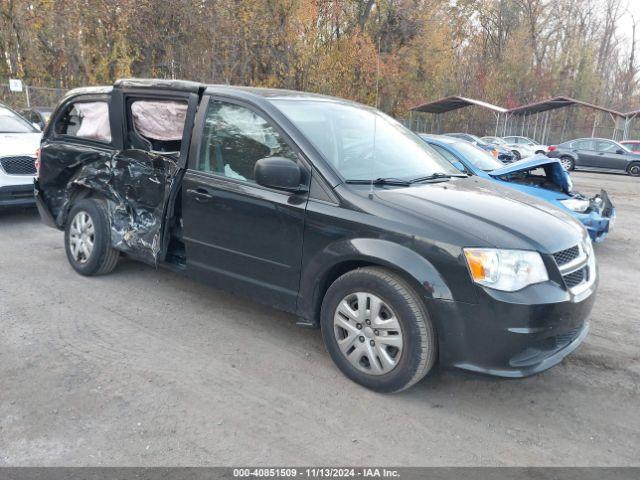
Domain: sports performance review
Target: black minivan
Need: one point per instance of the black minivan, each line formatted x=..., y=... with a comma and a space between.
x=325, y=208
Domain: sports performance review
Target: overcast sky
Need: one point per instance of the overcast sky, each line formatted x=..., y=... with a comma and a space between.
x=633, y=9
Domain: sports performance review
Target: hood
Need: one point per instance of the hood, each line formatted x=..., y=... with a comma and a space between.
x=552, y=167
x=496, y=216
x=19, y=143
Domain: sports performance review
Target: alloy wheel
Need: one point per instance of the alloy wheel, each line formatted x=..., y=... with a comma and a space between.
x=368, y=333
x=81, y=237
x=566, y=163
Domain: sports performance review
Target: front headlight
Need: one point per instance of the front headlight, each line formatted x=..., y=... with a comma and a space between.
x=507, y=270
x=576, y=204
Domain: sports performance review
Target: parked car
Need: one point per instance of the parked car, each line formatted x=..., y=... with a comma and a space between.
x=527, y=142
x=324, y=208
x=19, y=141
x=538, y=176
x=37, y=115
x=596, y=153
x=633, y=145
x=519, y=151
x=503, y=154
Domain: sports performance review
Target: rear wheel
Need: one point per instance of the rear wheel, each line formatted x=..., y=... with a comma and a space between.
x=88, y=239
x=567, y=163
x=633, y=169
x=377, y=330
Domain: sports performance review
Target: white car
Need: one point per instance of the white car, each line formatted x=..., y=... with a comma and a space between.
x=526, y=141
x=519, y=151
x=19, y=141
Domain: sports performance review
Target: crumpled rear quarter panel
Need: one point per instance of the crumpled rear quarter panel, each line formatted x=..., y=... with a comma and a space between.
x=134, y=184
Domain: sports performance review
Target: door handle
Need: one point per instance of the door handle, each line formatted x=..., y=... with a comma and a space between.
x=200, y=194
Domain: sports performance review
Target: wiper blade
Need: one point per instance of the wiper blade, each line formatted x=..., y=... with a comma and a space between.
x=382, y=181
x=434, y=176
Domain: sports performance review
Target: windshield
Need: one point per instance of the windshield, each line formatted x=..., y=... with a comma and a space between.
x=11, y=122
x=478, y=157
x=344, y=134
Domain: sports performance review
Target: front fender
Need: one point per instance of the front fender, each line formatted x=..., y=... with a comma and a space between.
x=335, y=257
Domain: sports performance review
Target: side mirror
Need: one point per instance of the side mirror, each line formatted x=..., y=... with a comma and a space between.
x=280, y=173
x=620, y=151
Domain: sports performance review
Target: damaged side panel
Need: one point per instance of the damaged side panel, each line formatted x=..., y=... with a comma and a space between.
x=135, y=185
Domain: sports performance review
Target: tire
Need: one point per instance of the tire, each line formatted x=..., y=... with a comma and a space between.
x=540, y=152
x=568, y=163
x=102, y=257
x=633, y=169
x=516, y=155
x=416, y=335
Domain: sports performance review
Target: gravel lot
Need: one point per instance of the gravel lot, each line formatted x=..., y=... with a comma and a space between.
x=145, y=367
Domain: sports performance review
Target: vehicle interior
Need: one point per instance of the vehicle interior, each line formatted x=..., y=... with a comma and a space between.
x=85, y=120
x=537, y=177
x=156, y=125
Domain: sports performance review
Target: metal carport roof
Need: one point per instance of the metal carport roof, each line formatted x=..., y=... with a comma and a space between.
x=558, y=102
x=448, y=104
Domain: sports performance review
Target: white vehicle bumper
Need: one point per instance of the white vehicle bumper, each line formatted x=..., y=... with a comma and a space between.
x=16, y=190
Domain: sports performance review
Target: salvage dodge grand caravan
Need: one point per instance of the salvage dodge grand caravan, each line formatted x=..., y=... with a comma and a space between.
x=324, y=208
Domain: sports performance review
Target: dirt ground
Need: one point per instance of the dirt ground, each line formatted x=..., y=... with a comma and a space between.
x=145, y=367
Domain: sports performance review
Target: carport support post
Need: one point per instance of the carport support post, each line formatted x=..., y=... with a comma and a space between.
x=627, y=126
x=545, y=130
x=615, y=126
x=564, y=125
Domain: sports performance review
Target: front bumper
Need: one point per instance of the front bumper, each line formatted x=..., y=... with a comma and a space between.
x=512, y=334
x=599, y=221
x=16, y=190
x=17, y=196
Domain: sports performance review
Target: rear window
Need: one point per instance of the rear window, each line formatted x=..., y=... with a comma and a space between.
x=88, y=120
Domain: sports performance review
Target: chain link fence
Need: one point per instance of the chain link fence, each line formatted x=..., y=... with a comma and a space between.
x=31, y=96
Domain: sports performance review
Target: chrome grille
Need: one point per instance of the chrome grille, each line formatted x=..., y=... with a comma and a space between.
x=577, y=267
x=19, y=165
x=565, y=256
x=575, y=278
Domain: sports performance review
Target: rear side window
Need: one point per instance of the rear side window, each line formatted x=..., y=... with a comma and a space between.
x=88, y=120
x=583, y=144
x=235, y=138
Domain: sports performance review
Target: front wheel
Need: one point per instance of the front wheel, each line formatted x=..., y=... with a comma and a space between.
x=634, y=169
x=377, y=330
x=88, y=238
x=516, y=155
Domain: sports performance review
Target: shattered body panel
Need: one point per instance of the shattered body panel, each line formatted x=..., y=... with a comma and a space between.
x=541, y=177
x=134, y=184
x=555, y=186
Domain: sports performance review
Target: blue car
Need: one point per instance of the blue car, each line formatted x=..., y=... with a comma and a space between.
x=540, y=176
